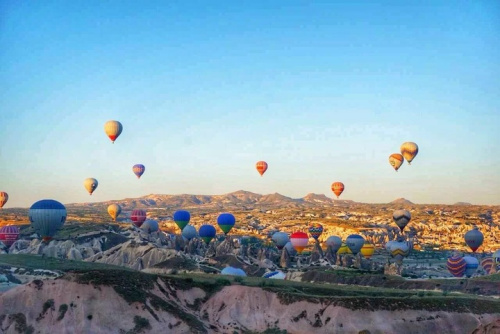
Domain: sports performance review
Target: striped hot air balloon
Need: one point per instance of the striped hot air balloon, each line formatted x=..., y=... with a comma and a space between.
x=9, y=234
x=90, y=184
x=4, y=197
x=367, y=250
x=401, y=218
x=226, y=222
x=337, y=188
x=396, y=160
x=138, y=170
x=334, y=242
x=398, y=250
x=207, y=233
x=114, y=211
x=487, y=264
x=474, y=239
x=47, y=217
x=299, y=241
x=138, y=217
x=315, y=230
x=344, y=249
x=261, y=167
x=113, y=129
x=181, y=218
x=409, y=150
x=456, y=265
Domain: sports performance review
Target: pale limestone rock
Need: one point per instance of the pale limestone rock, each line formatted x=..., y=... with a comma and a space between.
x=74, y=254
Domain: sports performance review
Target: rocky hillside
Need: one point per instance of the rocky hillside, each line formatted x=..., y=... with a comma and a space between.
x=89, y=302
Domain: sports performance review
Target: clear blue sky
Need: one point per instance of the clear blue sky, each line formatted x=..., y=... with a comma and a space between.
x=323, y=91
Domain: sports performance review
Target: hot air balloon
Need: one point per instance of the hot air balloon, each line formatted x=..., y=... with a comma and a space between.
x=344, y=249
x=278, y=274
x=232, y=271
x=113, y=129
x=299, y=241
x=138, y=217
x=367, y=250
x=226, y=222
x=280, y=239
x=456, y=265
x=396, y=160
x=114, y=211
x=261, y=167
x=9, y=234
x=399, y=250
x=337, y=188
x=189, y=232
x=355, y=242
x=90, y=184
x=334, y=243
x=487, y=264
x=471, y=265
x=289, y=248
x=181, y=218
x=409, y=150
x=47, y=217
x=207, y=233
x=389, y=244
x=401, y=218
x=496, y=256
x=4, y=197
x=474, y=239
x=138, y=170
x=315, y=230
x=150, y=226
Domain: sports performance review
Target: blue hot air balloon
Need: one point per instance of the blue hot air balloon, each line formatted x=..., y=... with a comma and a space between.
x=207, y=232
x=334, y=243
x=150, y=226
x=233, y=271
x=181, y=218
x=471, y=265
x=226, y=222
x=278, y=274
x=138, y=170
x=47, y=217
x=354, y=242
x=280, y=239
x=189, y=232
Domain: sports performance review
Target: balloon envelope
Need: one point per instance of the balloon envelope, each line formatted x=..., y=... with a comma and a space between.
x=299, y=241
x=315, y=230
x=334, y=243
x=226, y=222
x=355, y=242
x=367, y=250
x=396, y=160
x=4, y=197
x=47, y=217
x=138, y=170
x=90, y=184
x=261, y=167
x=290, y=249
x=233, y=271
x=207, y=232
x=471, y=265
x=113, y=129
x=280, y=239
x=456, y=265
x=337, y=188
x=409, y=150
x=487, y=264
x=344, y=249
x=150, y=226
x=9, y=234
x=189, y=232
x=114, y=211
x=138, y=217
x=401, y=218
x=275, y=275
x=474, y=239
x=181, y=218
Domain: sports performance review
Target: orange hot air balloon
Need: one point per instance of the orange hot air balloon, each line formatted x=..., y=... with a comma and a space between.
x=337, y=188
x=261, y=167
x=396, y=160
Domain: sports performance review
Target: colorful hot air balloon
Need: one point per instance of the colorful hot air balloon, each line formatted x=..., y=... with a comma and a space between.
x=334, y=243
x=138, y=170
x=47, y=217
x=261, y=167
x=487, y=264
x=401, y=218
x=409, y=150
x=150, y=226
x=315, y=230
x=456, y=265
x=280, y=239
x=471, y=265
x=337, y=188
x=181, y=218
x=114, y=211
x=9, y=234
x=398, y=250
x=396, y=160
x=344, y=249
x=207, y=233
x=138, y=217
x=90, y=184
x=474, y=239
x=299, y=241
x=113, y=129
x=4, y=197
x=367, y=250
x=226, y=222
x=355, y=242
x=189, y=232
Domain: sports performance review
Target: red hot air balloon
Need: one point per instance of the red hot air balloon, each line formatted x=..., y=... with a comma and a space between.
x=138, y=217
x=337, y=188
x=299, y=241
x=9, y=234
x=261, y=167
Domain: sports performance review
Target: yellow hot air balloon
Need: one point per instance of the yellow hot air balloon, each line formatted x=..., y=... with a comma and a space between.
x=396, y=160
x=344, y=249
x=113, y=129
x=367, y=250
x=409, y=150
x=114, y=210
x=90, y=184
